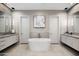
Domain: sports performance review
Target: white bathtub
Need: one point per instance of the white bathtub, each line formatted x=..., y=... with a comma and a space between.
x=39, y=44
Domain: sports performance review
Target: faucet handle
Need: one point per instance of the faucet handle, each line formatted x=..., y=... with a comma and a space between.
x=38, y=35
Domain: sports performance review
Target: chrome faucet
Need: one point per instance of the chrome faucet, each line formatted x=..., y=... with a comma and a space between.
x=39, y=35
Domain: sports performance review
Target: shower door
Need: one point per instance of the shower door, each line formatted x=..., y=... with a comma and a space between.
x=24, y=28
x=54, y=29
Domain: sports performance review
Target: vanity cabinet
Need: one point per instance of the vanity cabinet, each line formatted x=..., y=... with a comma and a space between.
x=70, y=41
x=7, y=41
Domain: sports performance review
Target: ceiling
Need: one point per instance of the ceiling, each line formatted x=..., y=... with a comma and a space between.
x=39, y=6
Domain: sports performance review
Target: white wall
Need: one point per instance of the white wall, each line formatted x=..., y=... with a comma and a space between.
x=62, y=19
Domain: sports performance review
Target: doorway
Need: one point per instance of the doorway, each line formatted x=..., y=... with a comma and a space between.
x=24, y=29
x=54, y=29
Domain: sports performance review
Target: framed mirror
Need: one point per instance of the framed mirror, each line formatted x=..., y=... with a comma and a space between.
x=76, y=24
x=5, y=23
x=2, y=24
x=73, y=23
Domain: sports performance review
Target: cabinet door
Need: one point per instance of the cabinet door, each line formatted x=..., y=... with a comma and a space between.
x=3, y=44
x=76, y=44
x=7, y=41
x=64, y=39
x=69, y=41
x=12, y=40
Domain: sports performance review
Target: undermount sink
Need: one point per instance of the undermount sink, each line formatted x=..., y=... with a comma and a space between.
x=5, y=35
x=73, y=35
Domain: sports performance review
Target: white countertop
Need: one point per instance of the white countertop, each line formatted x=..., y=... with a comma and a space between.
x=6, y=35
x=73, y=35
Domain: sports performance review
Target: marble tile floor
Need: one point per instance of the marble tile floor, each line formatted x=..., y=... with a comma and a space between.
x=23, y=50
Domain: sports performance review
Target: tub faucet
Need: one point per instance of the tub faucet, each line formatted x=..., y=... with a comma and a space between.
x=38, y=35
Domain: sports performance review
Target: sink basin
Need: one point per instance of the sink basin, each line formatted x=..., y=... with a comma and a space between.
x=5, y=35
x=73, y=35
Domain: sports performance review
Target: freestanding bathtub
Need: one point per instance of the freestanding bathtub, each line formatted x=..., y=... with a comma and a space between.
x=39, y=44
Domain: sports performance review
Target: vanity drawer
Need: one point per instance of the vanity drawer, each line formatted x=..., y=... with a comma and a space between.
x=76, y=44
x=7, y=41
x=70, y=41
x=63, y=39
x=2, y=45
x=2, y=39
x=11, y=40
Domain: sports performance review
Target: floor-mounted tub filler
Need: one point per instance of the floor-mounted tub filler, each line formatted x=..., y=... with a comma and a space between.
x=39, y=44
